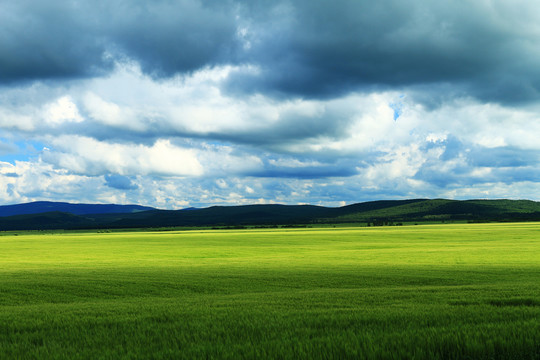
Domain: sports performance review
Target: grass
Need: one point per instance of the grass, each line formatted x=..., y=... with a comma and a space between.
x=424, y=292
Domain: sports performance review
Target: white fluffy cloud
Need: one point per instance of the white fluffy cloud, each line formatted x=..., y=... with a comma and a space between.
x=186, y=133
x=61, y=111
x=83, y=155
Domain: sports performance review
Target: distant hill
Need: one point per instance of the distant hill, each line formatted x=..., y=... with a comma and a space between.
x=45, y=221
x=75, y=209
x=87, y=216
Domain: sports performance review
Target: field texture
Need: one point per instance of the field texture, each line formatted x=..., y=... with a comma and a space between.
x=423, y=292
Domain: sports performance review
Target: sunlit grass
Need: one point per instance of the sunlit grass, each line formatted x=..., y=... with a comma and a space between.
x=446, y=291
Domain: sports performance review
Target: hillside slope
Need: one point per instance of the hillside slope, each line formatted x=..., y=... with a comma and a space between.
x=38, y=207
x=375, y=212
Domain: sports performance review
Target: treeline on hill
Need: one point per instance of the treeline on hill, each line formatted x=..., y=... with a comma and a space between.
x=375, y=213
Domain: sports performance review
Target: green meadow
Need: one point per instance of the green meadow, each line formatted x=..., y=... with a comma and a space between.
x=462, y=291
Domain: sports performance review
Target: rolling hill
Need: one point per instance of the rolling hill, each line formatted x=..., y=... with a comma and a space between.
x=39, y=207
x=87, y=216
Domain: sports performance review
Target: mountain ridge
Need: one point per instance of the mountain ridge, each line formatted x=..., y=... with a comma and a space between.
x=383, y=212
x=37, y=207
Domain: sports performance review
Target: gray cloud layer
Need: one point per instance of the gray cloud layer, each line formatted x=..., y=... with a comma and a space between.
x=63, y=39
x=306, y=48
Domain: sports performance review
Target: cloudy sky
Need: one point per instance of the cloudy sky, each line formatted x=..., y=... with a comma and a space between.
x=178, y=103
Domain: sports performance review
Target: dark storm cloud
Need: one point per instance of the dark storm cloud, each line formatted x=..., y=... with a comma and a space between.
x=307, y=48
x=53, y=39
x=172, y=37
x=324, y=48
x=62, y=39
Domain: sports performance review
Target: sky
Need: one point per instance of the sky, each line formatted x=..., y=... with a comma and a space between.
x=193, y=103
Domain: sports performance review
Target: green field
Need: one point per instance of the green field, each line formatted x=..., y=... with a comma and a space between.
x=423, y=292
